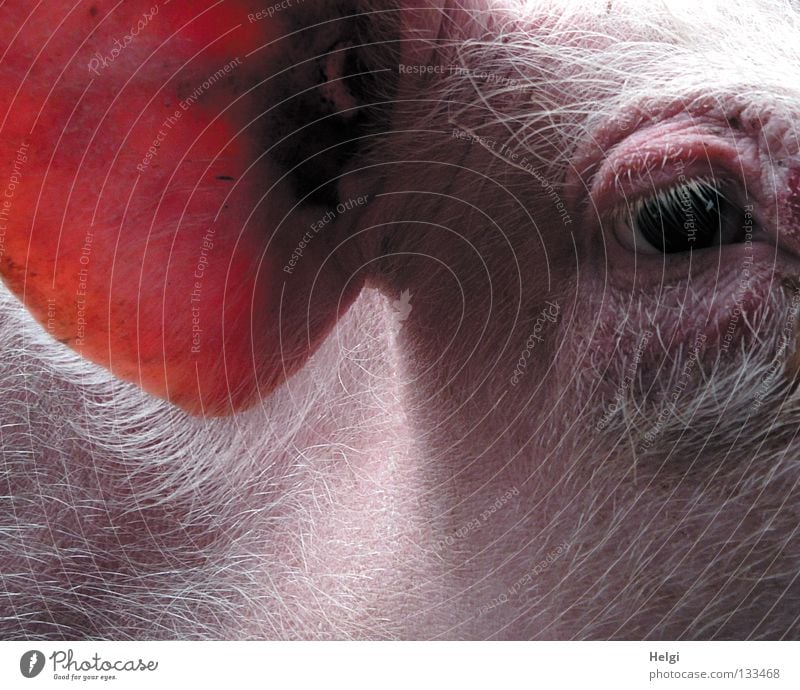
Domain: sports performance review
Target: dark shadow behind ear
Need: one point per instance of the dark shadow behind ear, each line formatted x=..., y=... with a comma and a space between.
x=170, y=167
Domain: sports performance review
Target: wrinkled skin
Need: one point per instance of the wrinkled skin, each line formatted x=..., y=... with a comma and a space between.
x=475, y=404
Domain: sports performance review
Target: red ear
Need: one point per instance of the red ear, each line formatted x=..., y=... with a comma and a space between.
x=144, y=219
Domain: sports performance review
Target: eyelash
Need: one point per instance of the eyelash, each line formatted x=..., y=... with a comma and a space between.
x=700, y=209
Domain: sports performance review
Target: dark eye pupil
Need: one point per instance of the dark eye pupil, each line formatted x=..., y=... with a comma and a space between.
x=686, y=217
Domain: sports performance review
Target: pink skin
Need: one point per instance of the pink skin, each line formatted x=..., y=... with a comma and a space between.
x=400, y=485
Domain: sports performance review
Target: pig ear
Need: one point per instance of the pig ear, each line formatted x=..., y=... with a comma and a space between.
x=175, y=171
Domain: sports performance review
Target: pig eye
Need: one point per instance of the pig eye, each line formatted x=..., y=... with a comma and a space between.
x=694, y=215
